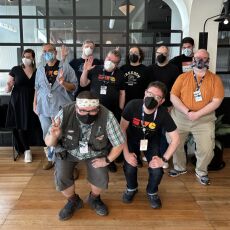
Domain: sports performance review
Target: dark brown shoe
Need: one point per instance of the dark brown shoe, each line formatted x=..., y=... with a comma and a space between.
x=48, y=165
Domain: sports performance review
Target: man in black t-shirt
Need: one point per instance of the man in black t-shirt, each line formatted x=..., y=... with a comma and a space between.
x=88, y=47
x=141, y=121
x=184, y=61
x=134, y=73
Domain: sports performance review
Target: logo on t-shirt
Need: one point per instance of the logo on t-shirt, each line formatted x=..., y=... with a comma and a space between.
x=106, y=78
x=150, y=126
x=131, y=78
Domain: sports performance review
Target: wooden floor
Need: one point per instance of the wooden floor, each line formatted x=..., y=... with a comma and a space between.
x=28, y=200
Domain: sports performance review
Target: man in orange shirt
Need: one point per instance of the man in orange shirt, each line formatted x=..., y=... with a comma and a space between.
x=195, y=96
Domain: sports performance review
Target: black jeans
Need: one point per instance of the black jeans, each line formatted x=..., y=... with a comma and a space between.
x=155, y=175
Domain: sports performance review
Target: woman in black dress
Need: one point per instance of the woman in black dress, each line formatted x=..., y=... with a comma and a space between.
x=20, y=113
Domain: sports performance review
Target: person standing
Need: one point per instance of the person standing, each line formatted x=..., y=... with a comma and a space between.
x=20, y=115
x=184, y=61
x=141, y=122
x=195, y=96
x=134, y=73
x=93, y=129
x=55, y=82
x=88, y=47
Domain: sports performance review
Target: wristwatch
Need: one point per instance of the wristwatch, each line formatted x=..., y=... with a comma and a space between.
x=107, y=160
x=164, y=160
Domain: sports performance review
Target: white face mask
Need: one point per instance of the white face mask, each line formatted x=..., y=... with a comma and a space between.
x=109, y=66
x=26, y=61
x=187, y=52
x=88, y=51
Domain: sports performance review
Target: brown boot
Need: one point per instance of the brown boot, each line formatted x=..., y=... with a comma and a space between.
x=48, y=165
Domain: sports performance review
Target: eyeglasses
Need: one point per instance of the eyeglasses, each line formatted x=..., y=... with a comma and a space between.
x=156, y=97
x=90, y=112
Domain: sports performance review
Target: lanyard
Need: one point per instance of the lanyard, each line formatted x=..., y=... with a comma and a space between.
x=198, y=85
x=143, y=119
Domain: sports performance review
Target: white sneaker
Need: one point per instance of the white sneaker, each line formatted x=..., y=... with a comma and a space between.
x=144, y=159
x=46, y=151
x=165, y=165
x=28, y=156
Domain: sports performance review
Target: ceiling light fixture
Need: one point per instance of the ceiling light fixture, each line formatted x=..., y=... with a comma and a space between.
x=124, y=7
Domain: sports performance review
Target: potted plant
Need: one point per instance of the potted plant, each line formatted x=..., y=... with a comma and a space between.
x=221, y=130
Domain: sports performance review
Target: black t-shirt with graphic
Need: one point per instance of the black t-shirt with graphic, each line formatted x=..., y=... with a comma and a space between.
x=107, y=82
x=182, y=62
x=52, y=72
x=133, y=114
x=166, y=74
x=77, y=65
x=135, y=81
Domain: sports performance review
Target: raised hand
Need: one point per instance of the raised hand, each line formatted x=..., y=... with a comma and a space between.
x=55, y=130
x=64, y=52
x=61, y=78
x=88, y=65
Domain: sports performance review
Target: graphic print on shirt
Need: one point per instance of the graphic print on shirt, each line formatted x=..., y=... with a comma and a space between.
x=52, y=72
x=107, y=79
x=150, y=126
x=131, y=78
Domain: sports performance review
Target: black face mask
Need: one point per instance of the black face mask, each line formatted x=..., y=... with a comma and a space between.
x=133, y=58
x=150, y=102
x=161, y=58
x=200, y=64
x=87, y=119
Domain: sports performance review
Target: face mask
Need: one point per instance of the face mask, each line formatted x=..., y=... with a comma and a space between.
x=133, y=58
x=109, y=66
x=87, y=119
x=150, y=102
x=161, y=58
x=49, y=56
x=187, y=52
x=26, y=61
x=88, y=51
x=200, y=64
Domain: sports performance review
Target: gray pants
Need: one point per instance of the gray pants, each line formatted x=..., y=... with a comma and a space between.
x=203, y=131
x=64, y=168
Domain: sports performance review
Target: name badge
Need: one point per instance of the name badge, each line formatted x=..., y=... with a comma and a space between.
x=197, y=95
x=83, y=147
x=103, y=90
x=143, y=145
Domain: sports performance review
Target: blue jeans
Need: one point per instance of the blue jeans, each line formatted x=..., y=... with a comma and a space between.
x=155, y=175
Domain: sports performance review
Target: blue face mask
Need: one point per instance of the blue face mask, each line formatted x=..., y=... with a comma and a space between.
x=49, y=56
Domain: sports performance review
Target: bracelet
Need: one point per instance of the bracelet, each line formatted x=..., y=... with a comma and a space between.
x=107, y=160
x=164, y=160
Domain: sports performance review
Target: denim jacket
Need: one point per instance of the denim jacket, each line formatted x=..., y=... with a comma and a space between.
x=51, y=98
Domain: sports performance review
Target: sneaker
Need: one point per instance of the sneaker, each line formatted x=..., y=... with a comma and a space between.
x=155, y=200
x=28, y=156
x=48, y=165
x=165, y=165
x=112, y=167
x=128, y=196
x=70, y=207
x=144, y=159
x=175, y=173
x=204, y=180
x=97, y=204
x=46, y=151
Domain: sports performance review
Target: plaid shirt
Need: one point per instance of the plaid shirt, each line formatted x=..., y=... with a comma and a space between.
x=114, y=133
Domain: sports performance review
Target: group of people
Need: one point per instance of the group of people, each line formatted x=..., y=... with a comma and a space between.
x=157, y=107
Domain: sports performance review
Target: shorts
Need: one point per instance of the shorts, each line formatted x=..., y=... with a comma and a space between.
x=64, y=168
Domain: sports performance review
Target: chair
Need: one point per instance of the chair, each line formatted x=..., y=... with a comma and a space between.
x=6, y=131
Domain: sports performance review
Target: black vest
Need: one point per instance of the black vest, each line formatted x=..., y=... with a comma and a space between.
x=71, y=131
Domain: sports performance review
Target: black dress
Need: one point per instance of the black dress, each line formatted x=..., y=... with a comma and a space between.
x=20, y=113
